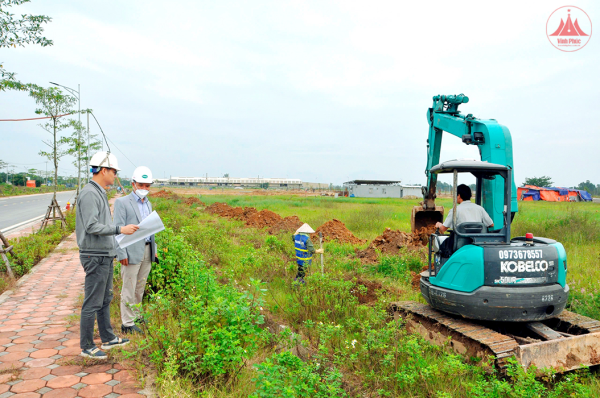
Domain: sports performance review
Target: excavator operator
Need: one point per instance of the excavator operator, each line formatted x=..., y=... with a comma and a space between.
x=466, y=211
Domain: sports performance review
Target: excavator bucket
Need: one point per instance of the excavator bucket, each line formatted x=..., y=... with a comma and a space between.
x=421, y=218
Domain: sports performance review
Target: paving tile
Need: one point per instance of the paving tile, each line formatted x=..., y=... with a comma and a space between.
x=4, y=388
x=53, y=366
x=64, y=381
x=59, y=347
x=14, y=356
x=7, y=394
x=4, y=378
x=66, y=370
x=27, y=395
x=11, y=365
x=95, y=391
x=28, y=386
x=112, y=395
x=81, y=374
x=112, y=382
x=43, y=390
x=19, y=347
x=70, y=351
x=96, y=378
x=61, y=393
x=47, y=353
x=124, y=376
x=38, y=363
x=97, y=368
x=128, y=387
x=34, y=373
x=47, y=377
x=112, y=371
x=25, y=360
x=135, y=395
x=13, y=382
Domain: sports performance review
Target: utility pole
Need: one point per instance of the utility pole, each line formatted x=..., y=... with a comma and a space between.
x=87, y=155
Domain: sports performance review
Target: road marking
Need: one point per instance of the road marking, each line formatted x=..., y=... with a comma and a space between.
x=21, y=223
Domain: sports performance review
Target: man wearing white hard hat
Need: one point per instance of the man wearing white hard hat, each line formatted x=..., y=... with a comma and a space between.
x=136, y=259
x=304, y=250
x=95, y=232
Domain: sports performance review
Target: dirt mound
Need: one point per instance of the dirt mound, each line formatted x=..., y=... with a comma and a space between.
x=262, y=219
x=192, y=200
x=336, y=230
x=366, y=291
x=288, y=224
x=390, y=242
x=163, y=194
x=219, y=208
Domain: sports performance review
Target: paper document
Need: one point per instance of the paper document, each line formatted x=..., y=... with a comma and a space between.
x=149, y=226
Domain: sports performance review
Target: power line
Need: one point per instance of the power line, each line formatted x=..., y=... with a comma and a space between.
x=34, y=118
x=106, y=139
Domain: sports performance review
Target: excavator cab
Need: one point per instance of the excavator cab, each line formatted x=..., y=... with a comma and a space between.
x=488, y=276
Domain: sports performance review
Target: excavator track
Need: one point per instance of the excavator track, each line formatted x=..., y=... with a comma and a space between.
x=567, y=342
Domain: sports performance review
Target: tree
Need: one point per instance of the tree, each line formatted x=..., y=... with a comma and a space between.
x=17, y=32
x=20, y=31
x=543, y=181
x=588, y=186
x=53, y=103
x=78, y=146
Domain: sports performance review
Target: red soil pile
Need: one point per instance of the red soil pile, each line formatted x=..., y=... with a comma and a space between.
x=220, y=209
x=238, y=213
x=164, y=194
x=288, y=224
x=336, y=230
x=390, y=242
x=263, y=218
x=192, y=200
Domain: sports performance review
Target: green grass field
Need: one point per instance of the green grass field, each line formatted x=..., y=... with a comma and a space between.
x=376, y=358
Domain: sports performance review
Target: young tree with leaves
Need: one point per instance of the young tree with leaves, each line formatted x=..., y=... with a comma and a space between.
x=54, y=104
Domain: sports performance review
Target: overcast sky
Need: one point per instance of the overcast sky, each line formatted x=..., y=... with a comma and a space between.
x=317, y=90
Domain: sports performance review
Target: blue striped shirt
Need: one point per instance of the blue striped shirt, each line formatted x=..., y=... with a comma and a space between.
x=144, y=211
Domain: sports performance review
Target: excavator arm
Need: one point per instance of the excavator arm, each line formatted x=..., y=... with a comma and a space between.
x=495, y=146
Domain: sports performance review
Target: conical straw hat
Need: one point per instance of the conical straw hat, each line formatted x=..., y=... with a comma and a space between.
x=306, y=229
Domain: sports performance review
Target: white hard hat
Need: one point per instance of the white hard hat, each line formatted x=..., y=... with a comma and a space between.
x=142, y=174
x=306, y=229
x=104, y=159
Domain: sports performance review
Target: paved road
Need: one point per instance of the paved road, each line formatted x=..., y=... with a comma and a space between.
x=18, y=209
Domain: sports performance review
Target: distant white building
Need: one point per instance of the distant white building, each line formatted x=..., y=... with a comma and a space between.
x=284, y=183
x=381, y=189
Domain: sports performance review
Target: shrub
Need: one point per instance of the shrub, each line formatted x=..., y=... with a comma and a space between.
x=211, y=329
x=286, y=376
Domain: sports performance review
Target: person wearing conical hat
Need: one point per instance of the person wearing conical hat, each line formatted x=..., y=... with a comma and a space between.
x=304, y=250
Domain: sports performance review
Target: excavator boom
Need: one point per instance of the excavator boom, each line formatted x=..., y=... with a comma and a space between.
x=495, y=146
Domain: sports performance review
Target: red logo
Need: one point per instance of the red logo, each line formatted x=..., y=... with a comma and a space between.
x=569, y=28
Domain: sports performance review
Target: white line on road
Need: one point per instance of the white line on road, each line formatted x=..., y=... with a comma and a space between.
x=22, y=223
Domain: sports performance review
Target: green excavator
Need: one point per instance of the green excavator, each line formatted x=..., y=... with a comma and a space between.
x=490, y=293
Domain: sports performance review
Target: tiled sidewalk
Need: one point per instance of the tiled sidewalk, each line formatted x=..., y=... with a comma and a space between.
x=39, y=350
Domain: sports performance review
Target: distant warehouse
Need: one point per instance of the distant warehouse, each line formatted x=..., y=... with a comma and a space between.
x=381, y=189
x=285, y=183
